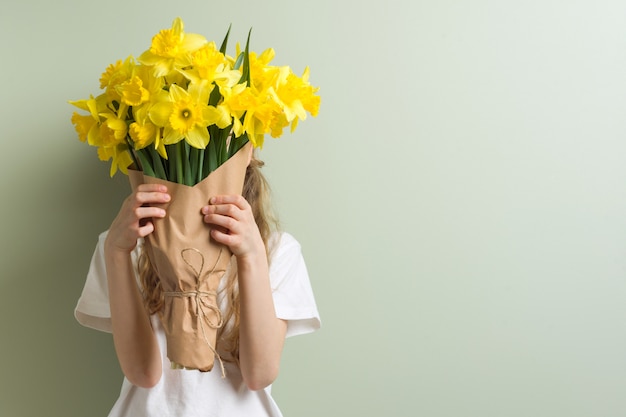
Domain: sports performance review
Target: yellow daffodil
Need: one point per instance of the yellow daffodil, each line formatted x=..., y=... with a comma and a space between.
x=83, y=125
x=115, y=75
x=113, y=130
x=171, y=49
x=262, y=74
x=102, y=120
x=207, y=62
x=296, y=95
x=186, y=115
x=86, y=126
x=153, y=84
x=286, y=97
x=236, y=101
x=119, y=155
x=144, y=133
x=262, y=119
x=132, y=92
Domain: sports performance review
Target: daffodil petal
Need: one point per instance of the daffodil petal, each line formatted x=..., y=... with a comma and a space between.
x=160, y=113
x=198, y=137
x=193, y=41
x=171, y=136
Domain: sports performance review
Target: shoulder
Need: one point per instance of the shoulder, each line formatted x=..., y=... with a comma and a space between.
x=283, y=241
x=291, y=287
x=103, y=236
x=283, y=247
x=286, y=259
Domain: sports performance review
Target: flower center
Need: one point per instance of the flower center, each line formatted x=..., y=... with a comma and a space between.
x=186, y=114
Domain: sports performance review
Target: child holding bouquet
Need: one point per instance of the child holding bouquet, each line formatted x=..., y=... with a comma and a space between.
x=265, y=296
x=193, y=271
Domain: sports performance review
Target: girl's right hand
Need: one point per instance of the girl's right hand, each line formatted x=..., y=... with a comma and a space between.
x=134, y=218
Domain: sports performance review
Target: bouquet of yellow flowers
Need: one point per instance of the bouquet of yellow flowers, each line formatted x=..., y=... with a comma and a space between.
x=186, y=107
x=180, y=115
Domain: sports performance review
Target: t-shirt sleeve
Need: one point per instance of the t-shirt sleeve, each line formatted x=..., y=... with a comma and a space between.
x=93, y=308
x=293, y=296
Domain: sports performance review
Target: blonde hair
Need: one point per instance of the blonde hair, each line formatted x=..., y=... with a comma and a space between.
x=256, y=191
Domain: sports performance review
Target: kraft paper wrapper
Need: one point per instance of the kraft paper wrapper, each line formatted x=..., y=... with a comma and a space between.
x=190, y=264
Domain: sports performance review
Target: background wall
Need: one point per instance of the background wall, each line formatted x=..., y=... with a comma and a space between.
x=460, y=201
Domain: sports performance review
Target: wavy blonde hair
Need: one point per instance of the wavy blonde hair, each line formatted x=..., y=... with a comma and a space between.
x=256, y=191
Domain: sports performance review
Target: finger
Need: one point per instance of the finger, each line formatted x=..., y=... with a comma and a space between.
x=235, y=199
x=153, y=197
x=222, y=237
x=226, y=223
x=152, y=187
x=220, y=229
x=146, y=229
x=229, y=210
x=145, y=212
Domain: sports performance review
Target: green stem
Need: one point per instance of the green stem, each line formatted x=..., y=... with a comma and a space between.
x=145, y=163
x=157, y=163
x=172, y=150
x=237, y=143
x=224, y=152
x=219, y=145
x=210, y=156
x=193, y=164
x=131, y=150
x=187, y=165
x=179, y=164
x=200, y=163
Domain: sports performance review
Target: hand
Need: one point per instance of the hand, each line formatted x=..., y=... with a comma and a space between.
x=134, y=218
x=234, y=225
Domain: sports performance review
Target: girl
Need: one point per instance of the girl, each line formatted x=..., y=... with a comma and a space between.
x=265, y=297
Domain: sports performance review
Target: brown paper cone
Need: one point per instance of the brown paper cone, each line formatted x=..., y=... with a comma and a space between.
x=190, y=264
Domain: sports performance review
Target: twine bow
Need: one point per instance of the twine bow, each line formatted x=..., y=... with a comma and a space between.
x=203, y=302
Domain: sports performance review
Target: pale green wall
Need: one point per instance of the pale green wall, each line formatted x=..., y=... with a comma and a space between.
x=460, y=200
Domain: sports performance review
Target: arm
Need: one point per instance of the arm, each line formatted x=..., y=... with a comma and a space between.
x=135, y=342
x=261, y=333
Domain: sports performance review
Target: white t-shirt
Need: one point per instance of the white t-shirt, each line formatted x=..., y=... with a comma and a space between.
x=186, y=393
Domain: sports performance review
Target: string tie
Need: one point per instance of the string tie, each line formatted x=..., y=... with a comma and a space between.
x=203, y=301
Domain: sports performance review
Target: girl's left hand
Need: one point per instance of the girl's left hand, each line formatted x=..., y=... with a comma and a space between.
x=234, y=225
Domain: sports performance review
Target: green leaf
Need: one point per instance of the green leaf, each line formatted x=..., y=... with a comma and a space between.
x=172, y=151
x=225, y=41
x=215, y=96
x=187, y=164
x=200, y=165
x=238, y=61
x=180, y=178
x=237, y=143
x=219, y=146
x=224, y=133
x=157, y=163
x=131, y=150
x=245, y=72
x=193, y=163
x=145, y=164
x=210, y=156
